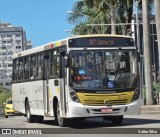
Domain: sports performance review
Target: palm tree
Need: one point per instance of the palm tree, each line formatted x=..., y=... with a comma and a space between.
x=110, y=7
x=82, y=14
x=100, y=12
x=117, y=11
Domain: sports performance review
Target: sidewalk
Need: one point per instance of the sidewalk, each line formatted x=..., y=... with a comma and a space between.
x=150, y=109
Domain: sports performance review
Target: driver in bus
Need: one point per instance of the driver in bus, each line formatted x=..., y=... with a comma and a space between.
x=119, y=69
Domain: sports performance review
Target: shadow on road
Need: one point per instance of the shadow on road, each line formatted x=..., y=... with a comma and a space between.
x=98, y=122
x=139, y=121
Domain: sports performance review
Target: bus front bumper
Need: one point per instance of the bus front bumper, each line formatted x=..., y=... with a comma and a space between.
x=79, y=110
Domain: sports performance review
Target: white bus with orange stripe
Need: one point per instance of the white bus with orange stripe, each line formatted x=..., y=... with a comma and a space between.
x=78, y=77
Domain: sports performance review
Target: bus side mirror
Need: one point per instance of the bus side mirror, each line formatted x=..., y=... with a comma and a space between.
x=66, y=64
x=65, y=61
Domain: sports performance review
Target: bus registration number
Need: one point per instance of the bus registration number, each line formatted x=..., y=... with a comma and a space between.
x=105, y=110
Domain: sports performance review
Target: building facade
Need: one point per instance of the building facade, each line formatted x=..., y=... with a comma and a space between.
x=12, y=40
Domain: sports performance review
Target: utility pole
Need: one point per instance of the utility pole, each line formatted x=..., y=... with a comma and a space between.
x=137, y=25
x=147, y=52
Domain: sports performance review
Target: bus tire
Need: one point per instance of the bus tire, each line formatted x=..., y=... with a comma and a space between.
x=78, y=119
x=30, y=118
x=58, y=119
x=6, y=116
x=117, y=120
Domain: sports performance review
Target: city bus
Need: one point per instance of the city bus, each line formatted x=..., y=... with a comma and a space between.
x=77, y=78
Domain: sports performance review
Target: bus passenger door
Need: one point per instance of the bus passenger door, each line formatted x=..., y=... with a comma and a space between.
x=54, y=86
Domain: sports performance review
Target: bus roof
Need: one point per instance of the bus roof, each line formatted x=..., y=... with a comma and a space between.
x=61, y=42
x=99, y=35
x=40, y=48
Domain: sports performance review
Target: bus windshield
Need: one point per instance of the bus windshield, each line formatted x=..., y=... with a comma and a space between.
x=103, y=69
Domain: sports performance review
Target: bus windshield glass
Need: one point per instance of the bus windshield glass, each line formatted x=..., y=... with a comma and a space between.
x=103, y=69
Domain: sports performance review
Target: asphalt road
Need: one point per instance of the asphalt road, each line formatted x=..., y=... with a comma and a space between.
x=135, y=125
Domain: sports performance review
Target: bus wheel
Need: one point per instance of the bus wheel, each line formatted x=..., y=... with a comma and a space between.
x=6, y=116
x=30, y=118
x=58, y=119
x=117, y=120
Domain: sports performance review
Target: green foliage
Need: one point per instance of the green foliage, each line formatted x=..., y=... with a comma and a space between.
x=4, y=94
x=156, y=89
x=99, y=12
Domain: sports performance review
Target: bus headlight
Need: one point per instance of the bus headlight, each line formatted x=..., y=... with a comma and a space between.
x=73, y=95
x=136, y=94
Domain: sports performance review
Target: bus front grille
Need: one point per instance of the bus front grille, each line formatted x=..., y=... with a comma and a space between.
x=102, y=102
x=105, y=99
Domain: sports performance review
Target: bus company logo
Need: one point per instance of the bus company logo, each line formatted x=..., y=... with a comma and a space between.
x=6, y=131
x=106, y=102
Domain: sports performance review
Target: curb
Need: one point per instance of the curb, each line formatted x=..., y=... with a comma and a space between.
x=150, y=109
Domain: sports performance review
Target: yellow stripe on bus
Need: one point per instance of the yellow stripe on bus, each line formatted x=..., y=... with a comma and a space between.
x=96, y=99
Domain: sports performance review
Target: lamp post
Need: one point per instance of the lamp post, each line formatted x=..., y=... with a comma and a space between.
x=80, y=13
x=69, y=31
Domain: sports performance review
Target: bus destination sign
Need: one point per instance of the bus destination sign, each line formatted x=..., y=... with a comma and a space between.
x=101, y=42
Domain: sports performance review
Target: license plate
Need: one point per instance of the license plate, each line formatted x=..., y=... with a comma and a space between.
x=105, y=110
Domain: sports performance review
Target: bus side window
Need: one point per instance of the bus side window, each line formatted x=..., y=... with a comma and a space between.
x=26, y=68
x=33, y=67
x=39, y=66
x=54, y=64
x=20, y=69
x=15, y=70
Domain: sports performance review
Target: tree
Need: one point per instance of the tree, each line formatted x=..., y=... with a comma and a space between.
x=82, y=14
x=147, y=53
x=117, y=11
x=101, y=12
x=110, y=7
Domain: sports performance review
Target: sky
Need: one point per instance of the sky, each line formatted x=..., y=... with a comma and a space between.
x=42, y=20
